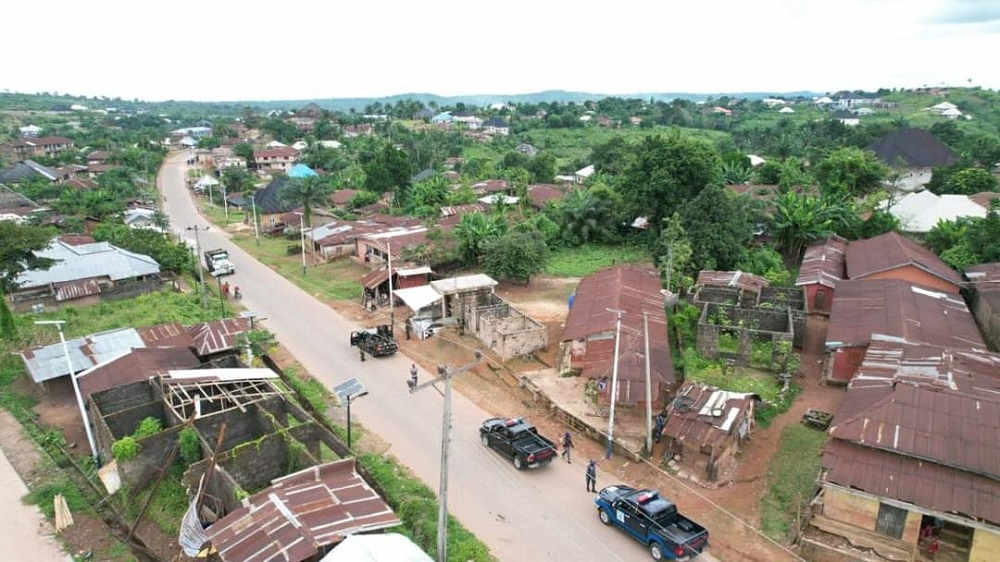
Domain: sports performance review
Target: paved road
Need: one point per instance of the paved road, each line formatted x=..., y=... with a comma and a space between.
x=532, y=515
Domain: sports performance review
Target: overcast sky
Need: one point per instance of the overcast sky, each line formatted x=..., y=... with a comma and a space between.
x=226, y=50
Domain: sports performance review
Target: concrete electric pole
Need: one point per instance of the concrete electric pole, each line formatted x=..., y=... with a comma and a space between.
x=198, y=264
x=446, y=376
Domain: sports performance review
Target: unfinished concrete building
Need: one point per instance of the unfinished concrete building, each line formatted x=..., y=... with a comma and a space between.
x=507, y=331
x=729, y=333
x=753, y=297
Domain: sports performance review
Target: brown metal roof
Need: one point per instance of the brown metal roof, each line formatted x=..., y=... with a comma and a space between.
x=539, y=194
x=463, y=209
x=301, y=513
x=925, y=484
x=218, y=335
x=894, y=307
x=930, y=447
x=342, y=196
x=171, y=334
x=891, y=251
x=375, y=278
x=139, y=365
x=692, y=417
x=70, y=290
x=738, y=279
x=889, y=361
x=633, y=290
x=823, y=263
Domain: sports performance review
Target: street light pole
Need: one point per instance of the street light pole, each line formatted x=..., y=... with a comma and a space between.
x=256, y=232
x=197, y=261
x=76, y=385
x=446, y=376
x=649, y=387
x=351, y=398
x=613, y=396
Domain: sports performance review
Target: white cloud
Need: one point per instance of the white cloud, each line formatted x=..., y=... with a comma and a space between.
x=296, y=49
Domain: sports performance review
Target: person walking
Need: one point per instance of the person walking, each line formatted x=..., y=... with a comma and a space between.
x=413, y=377
x=592, y=476
x=567, y=443
x=237, y=295
x=225, y=290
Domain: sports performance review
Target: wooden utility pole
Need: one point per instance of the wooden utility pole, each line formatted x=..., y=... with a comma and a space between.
x=649, y=388
x=613, y=395
x=446, y=376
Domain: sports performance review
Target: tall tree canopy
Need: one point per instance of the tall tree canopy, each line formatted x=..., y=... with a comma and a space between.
x=719, y=226
x=308, y=192
x=666, y=173
x=18, y=244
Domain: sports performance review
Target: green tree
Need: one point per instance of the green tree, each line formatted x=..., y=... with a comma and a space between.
x=172, y=256
x=8, y=329
x=719, y=228
x=474, y=231
x=245, y=151
x=18, y=244
x=515, y=256
x=850, y=171
x=307, y=193
x=542, y=168
x=672, y=252
x=768, y=263
x=588, y=215
x=388, y=170
x=971, y=181
x=668, y=172
x=237, y=181
x=800, y=220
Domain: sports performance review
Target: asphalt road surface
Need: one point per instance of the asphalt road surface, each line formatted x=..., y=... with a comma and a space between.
x=532, y=515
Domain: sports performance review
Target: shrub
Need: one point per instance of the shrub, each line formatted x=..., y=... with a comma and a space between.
x=147, y=427
x=125, y=449
x=190, y=446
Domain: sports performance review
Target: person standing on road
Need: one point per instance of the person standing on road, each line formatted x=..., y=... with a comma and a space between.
x=237, y=294
x=567, y=443
x=592, y=476
x=413, y=377
x=225, y=290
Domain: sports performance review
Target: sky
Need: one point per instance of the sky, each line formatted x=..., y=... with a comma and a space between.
x=224, y=50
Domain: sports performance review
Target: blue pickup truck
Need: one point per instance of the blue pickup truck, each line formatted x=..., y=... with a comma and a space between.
x=653, y=521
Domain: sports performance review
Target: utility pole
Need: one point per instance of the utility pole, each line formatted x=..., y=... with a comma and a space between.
x=302, y=239
x=649, y=388
x=197, y=262
x=446, y=376
x=256, y=233
x=613, y=396
x=388, y=252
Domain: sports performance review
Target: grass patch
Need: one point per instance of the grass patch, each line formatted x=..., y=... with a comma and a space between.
x=417, y=507
x=168, y=506
x=764, y=385
x=43, y=495
x=338, y=279
x=585, y=260
x=792, y=476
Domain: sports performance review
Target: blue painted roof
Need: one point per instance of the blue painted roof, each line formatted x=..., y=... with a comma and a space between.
x=301, y=171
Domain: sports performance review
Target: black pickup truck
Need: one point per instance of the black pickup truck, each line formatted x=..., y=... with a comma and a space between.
x=652, y=520
x=517, y=440
x=377, y=342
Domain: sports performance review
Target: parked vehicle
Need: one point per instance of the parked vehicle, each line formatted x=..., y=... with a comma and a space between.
x=377, y=342
x=652, y=520
x=517, y=440
x=217, y=262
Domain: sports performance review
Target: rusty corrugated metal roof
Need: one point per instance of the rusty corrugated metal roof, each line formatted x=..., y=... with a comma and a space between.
x=924, y=484
x=984, y=276
x=217, y=335
x=891, y=251
x=375, y=278
x=301, y=513
x=138, y=365
x=634, y=290
x=824, y=263
x=891, y=360
x=897, y=308
x=171, y=334
x=692, y=417
x=946, y=427
x=69, y=290
x=737, y=279
x=931, y=447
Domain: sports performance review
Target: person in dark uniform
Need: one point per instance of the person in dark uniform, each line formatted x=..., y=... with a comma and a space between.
x=592, y=476
x=567, y=443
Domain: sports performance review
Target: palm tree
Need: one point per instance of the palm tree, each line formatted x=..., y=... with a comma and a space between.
x=474, y=231
x=800, y=220
x=308, y=193
x=587, y=216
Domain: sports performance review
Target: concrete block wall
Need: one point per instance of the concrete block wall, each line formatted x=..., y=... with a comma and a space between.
x=253, y=464
x=124, y=397
x=853, y=509
x=240, y=427
x=154, y=451
x=125, y=422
